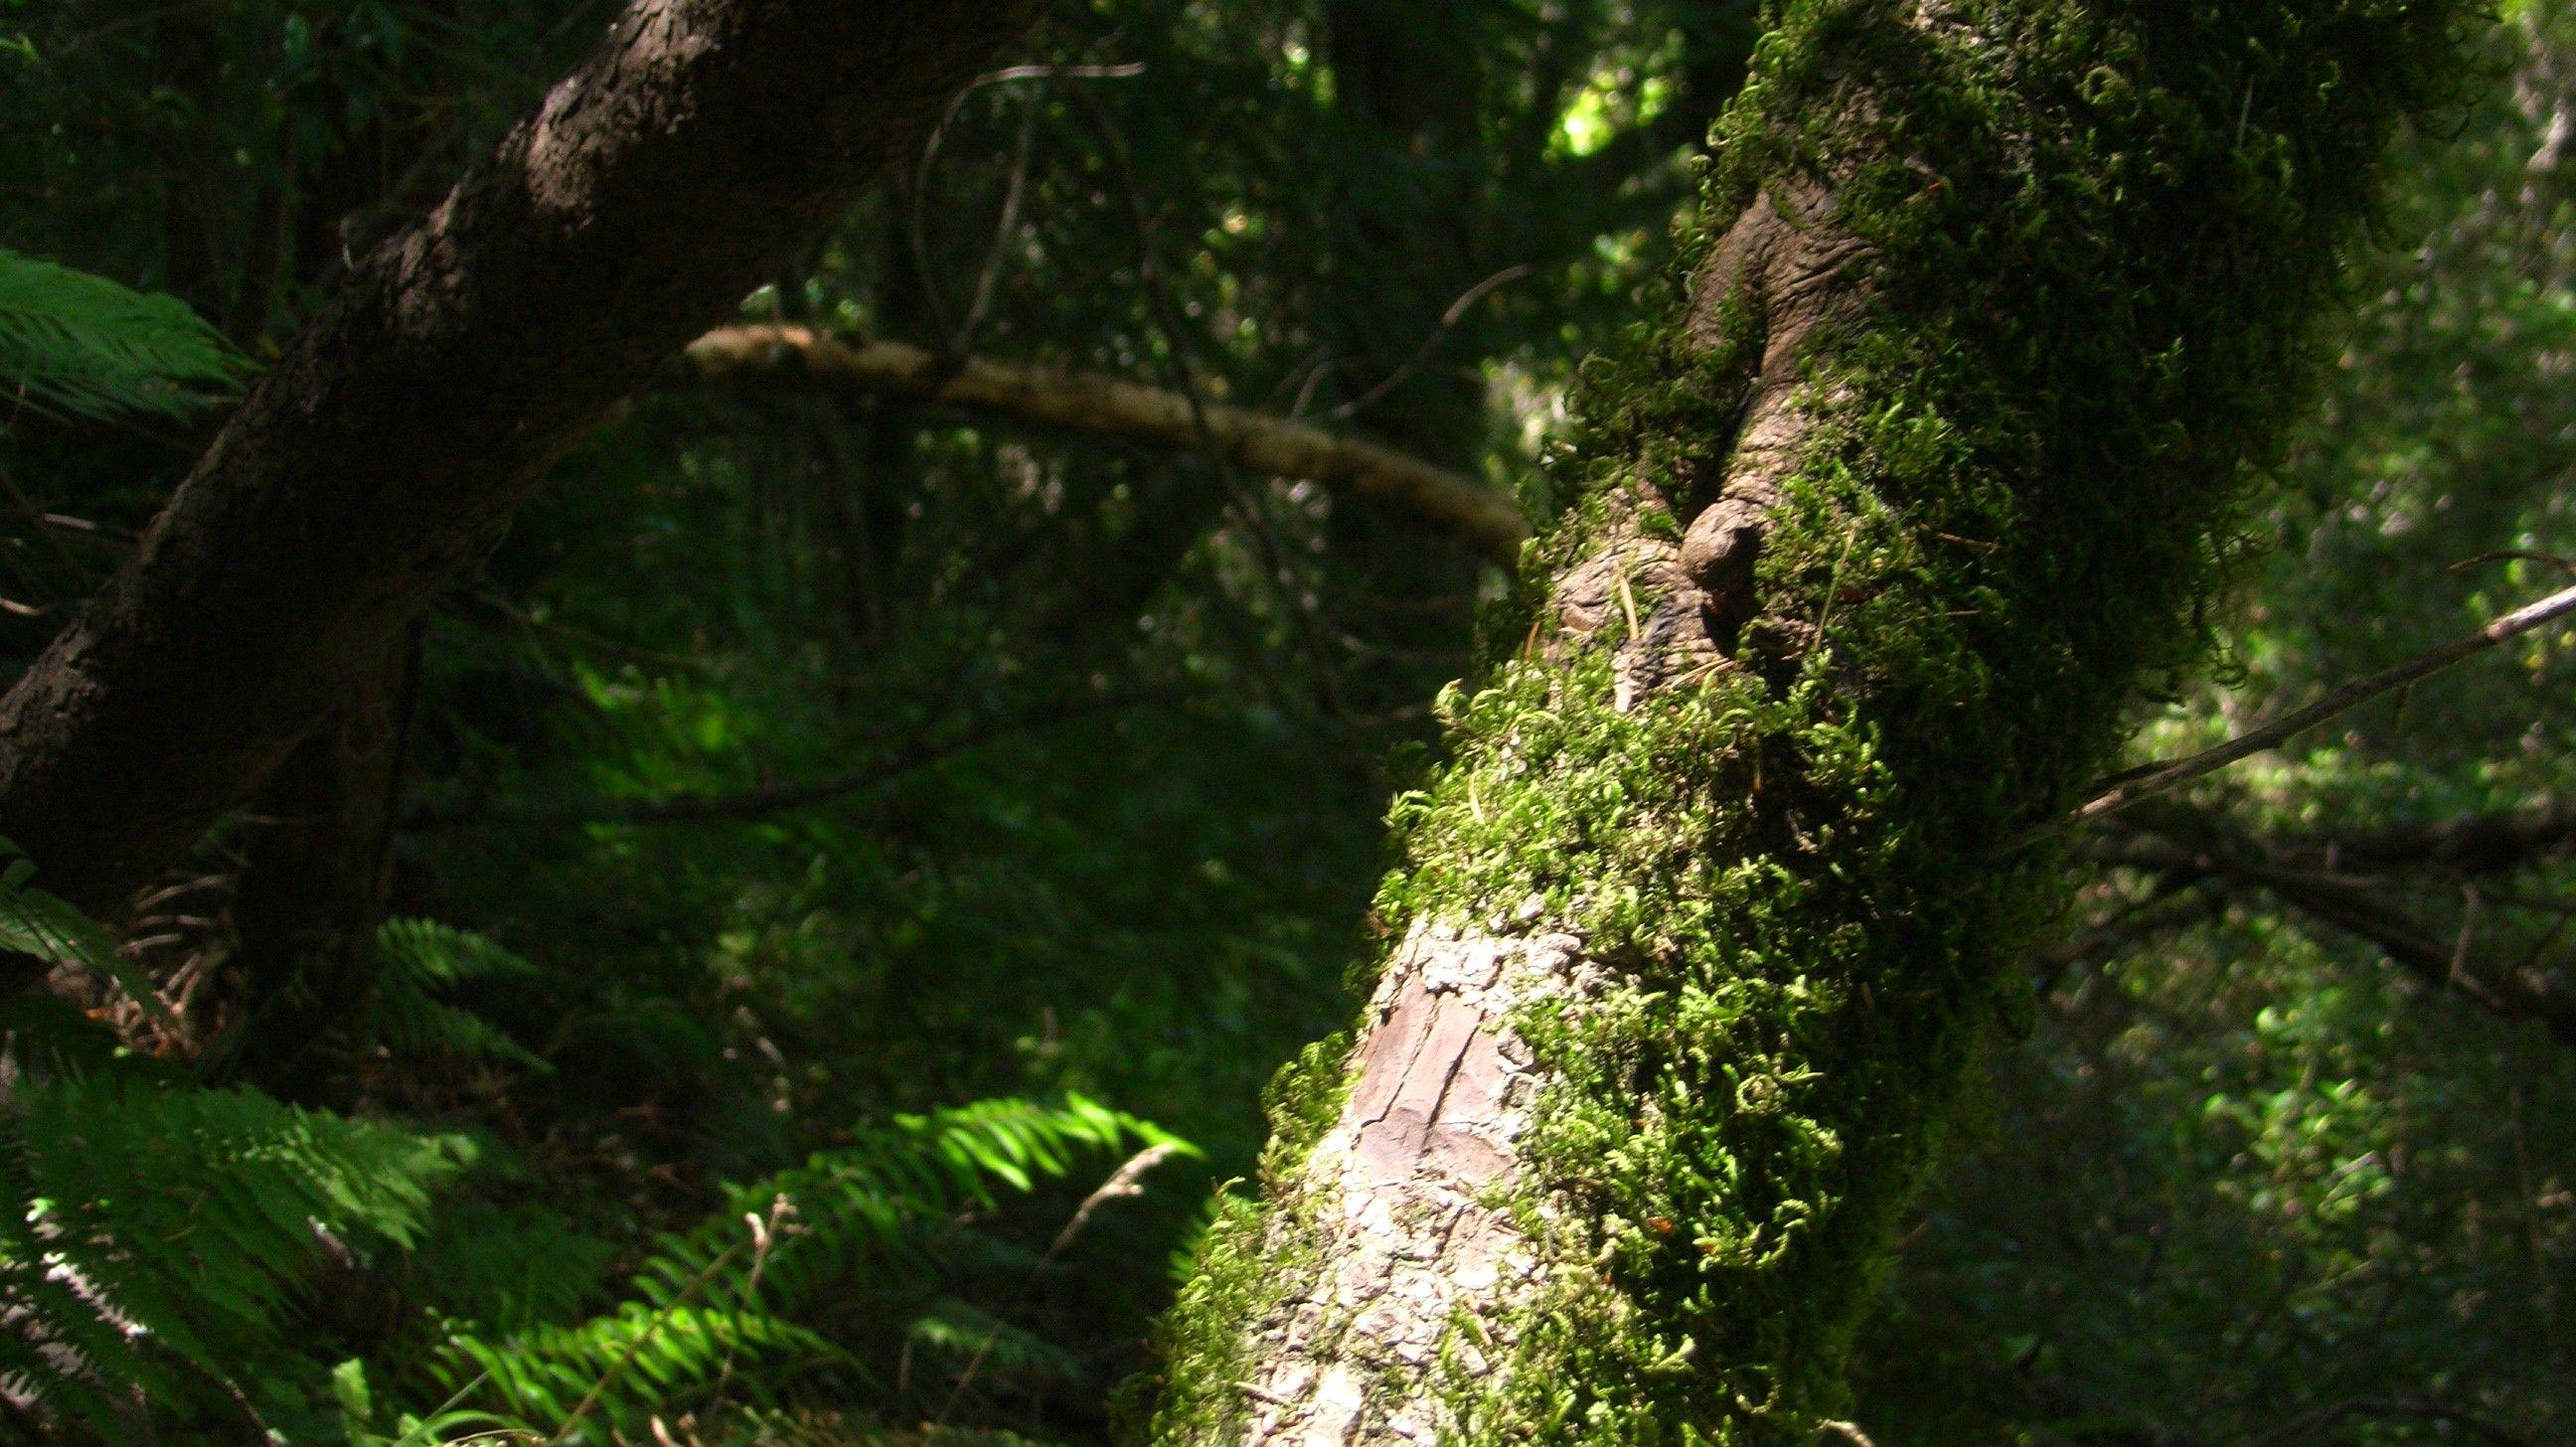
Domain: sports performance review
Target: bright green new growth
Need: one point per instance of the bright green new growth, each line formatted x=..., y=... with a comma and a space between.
x=2099, y=236
x=73, y=344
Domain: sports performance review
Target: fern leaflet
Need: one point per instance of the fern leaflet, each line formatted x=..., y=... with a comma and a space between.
x=73, y=344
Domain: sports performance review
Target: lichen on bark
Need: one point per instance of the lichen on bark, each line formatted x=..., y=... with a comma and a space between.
x=1987, y=321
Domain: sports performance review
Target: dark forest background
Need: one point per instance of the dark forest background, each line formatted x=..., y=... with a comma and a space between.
x=717, y=983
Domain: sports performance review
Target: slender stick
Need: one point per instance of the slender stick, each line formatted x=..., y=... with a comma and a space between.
x=2157, y=778
x=1178, y=417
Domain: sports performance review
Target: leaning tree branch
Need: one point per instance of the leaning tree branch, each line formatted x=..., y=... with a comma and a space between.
x=2301, y=1428
x=1100, y=406
x=2488, y=843
x=2183, y=845
x=703, y=144
x=2157, y=778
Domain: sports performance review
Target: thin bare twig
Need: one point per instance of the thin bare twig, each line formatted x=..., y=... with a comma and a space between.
x=1184, y=380
x=918, y=184
x=1122, y=1184
x=1010, y=73
x=764, y=1239
x=652, y=1328
x=1448, y=321
x=987, y=277
x=2157, y=778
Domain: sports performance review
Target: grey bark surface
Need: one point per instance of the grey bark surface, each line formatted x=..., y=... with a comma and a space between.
x=1396, y=1195
x=696, y=150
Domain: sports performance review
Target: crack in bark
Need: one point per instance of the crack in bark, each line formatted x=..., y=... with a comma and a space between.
x=1399, y=1192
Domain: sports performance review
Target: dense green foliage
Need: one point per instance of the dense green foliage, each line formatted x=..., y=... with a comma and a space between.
x=2247, y=1167
x=1115, y=731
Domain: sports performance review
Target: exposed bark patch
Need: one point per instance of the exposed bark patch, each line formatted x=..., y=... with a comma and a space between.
x=1399, y=1196
x=1802, y=273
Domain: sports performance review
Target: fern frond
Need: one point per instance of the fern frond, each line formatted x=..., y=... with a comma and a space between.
x=33, y=922
x=73, y=344
x=844, y=1216
x=150, y=1236
x=961, y=1335
x=639, y=1356
x=420, y=958
x=436, y=955
x=863, y=1202
x=501, y=1269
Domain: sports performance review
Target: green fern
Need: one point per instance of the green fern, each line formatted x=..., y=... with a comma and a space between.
x=638, y=1359
x=73, y=344
x=965, y=1338
x=711, y=1302
x=421, y=959
x=37, y=924
x=151, y=1237
x=505, y=1268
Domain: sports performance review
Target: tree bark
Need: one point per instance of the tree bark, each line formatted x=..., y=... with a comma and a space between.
x=316, y=867
x=1703, y=925
x=698, y=148
x=1107, y=407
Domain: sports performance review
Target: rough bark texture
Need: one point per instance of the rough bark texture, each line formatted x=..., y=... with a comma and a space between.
x=1442, y=1091
x=1703, y=925
x=1108, y=407
x=698, y=148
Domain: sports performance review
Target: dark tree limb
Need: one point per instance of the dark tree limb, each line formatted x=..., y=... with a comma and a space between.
x=2182, y=844
x=2468, y=844
x=698, y=149
x=2474, y=1427
x=1108, y=407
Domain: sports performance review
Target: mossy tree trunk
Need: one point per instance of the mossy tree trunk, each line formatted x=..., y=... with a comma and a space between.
x=1989, y=315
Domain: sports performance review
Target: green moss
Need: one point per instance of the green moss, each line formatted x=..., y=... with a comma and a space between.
x=1245, y=1259
x=2100, y=233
